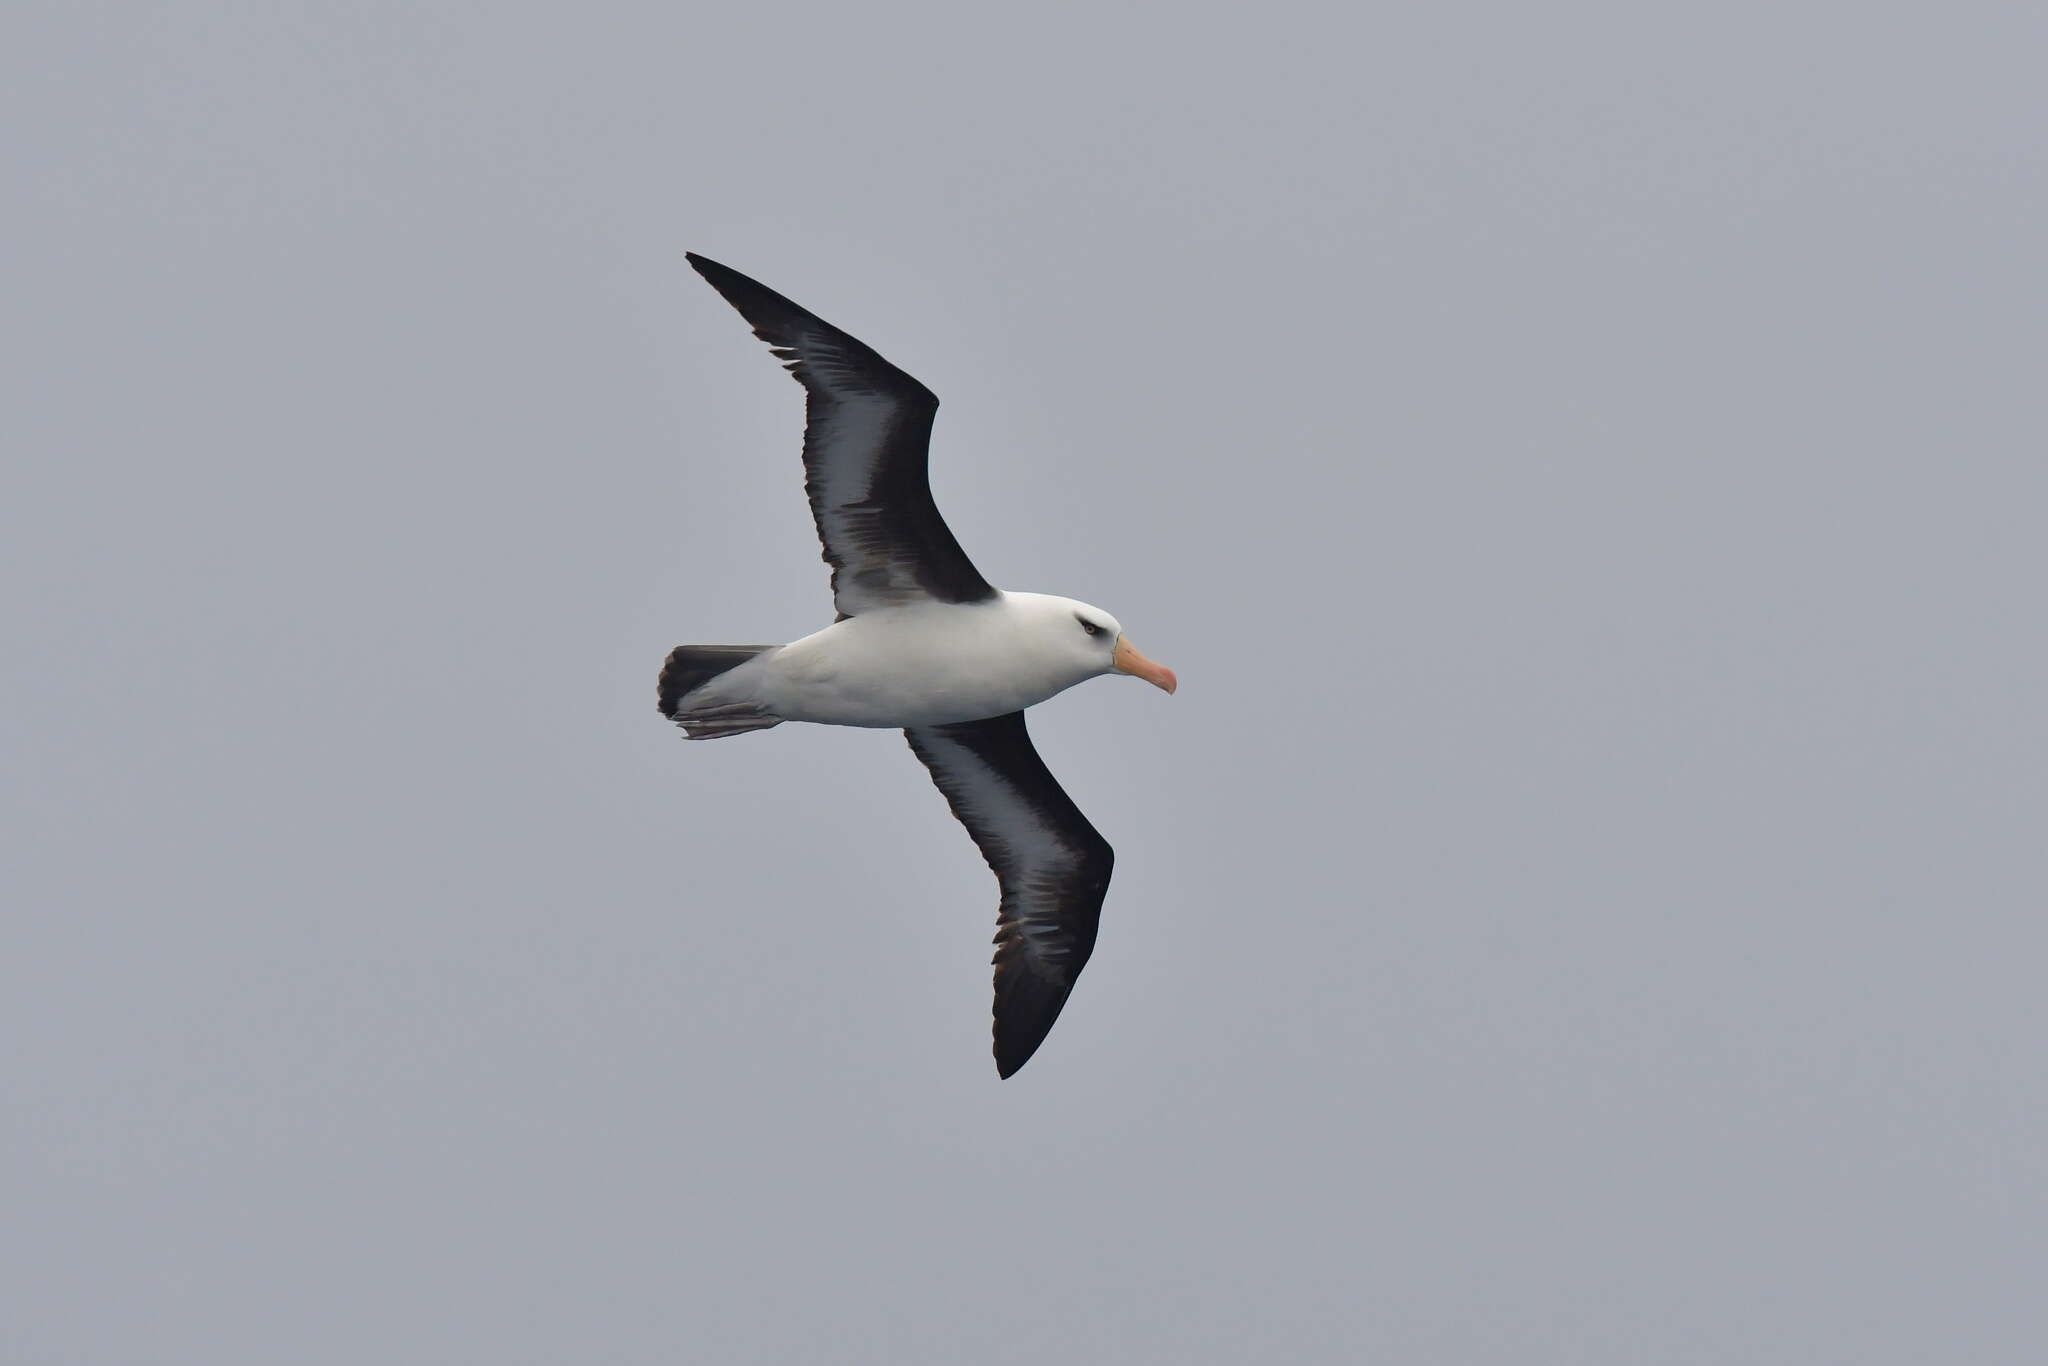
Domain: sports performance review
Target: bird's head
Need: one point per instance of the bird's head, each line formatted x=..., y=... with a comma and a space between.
x=1091, y=641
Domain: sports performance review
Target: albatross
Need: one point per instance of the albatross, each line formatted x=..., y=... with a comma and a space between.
x=923, y=643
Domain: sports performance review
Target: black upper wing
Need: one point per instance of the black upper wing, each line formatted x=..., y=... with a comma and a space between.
x=866, y=446
x=1051, y=864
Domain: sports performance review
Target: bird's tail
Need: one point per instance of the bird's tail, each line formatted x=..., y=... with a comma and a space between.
x=710, y=717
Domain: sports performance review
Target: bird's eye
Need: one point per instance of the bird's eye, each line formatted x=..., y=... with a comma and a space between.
x=1090, y=627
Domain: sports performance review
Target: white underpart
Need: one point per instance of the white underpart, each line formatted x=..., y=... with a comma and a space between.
x=925, y=664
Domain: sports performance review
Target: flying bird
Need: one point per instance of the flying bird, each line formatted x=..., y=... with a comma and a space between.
x=925, y=644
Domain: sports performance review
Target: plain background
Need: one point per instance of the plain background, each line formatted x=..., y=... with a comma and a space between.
x=1585, y=904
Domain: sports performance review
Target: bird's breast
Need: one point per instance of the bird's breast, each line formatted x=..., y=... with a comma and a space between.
x=916, y=667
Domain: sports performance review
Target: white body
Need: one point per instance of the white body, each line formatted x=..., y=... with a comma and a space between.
x=926, y=664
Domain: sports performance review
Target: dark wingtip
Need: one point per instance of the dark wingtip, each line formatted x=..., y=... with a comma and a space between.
x=1012, y=1053
x=723, y=278
x=775, y=318
x=1026, y=1007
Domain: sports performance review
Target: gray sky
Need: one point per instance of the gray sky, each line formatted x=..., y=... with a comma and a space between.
x=1584, y=905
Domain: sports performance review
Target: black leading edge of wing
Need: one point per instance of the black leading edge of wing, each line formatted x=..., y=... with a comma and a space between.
x=867, y=442
x=1051, y=864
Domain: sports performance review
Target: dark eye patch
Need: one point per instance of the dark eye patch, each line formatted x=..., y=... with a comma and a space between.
x=1090, y=627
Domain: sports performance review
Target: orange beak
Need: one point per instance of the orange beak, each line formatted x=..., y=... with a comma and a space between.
x=1127, y=660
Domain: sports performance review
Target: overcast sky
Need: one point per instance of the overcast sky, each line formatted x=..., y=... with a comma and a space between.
x=1587, y=464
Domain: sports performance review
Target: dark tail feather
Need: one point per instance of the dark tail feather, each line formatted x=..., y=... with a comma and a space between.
x=690, y=667
x=715, y=723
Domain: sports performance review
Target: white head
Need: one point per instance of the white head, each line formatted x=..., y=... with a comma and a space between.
x=1079, y=641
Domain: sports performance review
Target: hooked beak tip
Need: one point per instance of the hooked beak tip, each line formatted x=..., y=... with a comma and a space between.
x=1128, y=660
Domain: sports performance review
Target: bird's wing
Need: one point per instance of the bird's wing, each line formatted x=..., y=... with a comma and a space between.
x=867, y=441
x=1050, y=863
